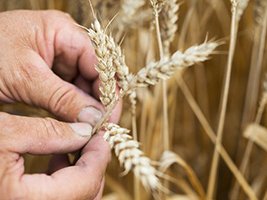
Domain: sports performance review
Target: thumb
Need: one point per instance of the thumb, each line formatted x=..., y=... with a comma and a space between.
x=41, y=135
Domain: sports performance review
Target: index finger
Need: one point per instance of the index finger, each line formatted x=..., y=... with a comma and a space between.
x=82, y=181
x=73, y=51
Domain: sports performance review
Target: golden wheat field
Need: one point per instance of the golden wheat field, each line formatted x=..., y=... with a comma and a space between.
x=193, y=77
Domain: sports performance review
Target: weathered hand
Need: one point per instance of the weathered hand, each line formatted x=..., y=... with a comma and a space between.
x=48, y=62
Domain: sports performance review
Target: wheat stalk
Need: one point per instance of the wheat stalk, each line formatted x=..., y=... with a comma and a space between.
x=126, y=149
x=211, y=134
x=111, y=61
x=224, y=101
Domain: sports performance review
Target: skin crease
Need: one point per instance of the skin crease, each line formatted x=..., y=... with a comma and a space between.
x=48, y=62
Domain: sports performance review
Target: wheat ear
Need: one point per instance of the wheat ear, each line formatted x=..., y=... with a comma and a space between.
x=260, y=7
x=130, y=8
x=129, y=155
x=242, y=4
x=126, y=149
x=169, y=18
x=162, y=69
x=104, y=45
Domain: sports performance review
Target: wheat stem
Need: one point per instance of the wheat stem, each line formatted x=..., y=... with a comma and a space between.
x=166, y=144
x=248, y=149
x=215, y=160
x=211, y=134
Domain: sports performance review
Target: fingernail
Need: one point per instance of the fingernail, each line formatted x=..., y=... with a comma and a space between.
x=82, y=129
x=89, y=115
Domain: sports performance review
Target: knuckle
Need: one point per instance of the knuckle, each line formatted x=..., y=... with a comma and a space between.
x=52, y=127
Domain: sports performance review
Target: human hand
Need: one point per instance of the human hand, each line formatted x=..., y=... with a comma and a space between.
x=42, y=54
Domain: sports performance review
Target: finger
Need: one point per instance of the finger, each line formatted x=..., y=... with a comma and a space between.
x=58, y=162
x=83, y=84
x=73, y=49
x=84, y=178
x=100, y=193
x=40, y=87
x=41, y=135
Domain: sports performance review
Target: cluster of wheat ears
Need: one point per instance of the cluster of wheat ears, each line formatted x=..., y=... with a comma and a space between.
x=178, y=116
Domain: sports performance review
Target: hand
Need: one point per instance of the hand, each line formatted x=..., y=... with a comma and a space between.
x=48, y=62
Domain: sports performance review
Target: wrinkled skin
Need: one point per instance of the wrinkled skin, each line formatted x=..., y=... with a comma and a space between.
x=48, y=62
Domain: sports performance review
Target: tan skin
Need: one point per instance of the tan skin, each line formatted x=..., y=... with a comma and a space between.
x=48, y=62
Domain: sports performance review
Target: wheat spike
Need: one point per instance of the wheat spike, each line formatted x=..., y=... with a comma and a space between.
x=122, y=69
x=157, y=4
x=131, y=14
x=260, y=7
x=155, y=71
x=130, y=7
x=126, y=149
x=104, y=45
x=169, y=18
x=242, y=4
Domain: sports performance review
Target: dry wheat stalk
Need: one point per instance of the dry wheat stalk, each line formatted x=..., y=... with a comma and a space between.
x=126, y=149
x=169, y=18
x=169, y=158
x=162, y=69
x=111, y=60
x=255, y=133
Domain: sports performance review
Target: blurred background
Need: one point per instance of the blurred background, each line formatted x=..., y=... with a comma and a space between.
x=203, y=83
